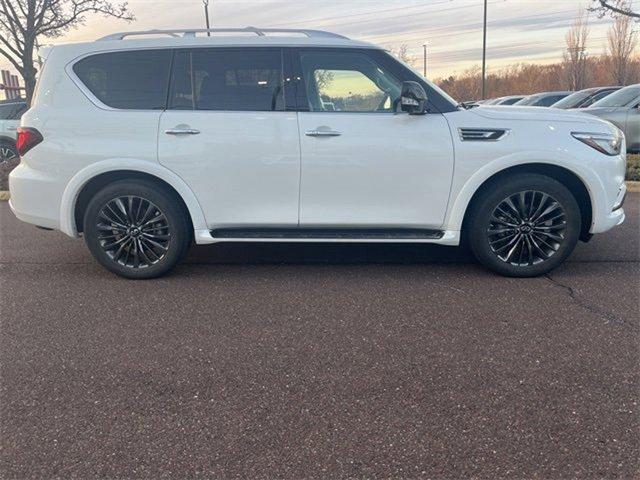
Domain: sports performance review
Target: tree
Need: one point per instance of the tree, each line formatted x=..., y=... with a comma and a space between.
x=524, y=79
x=614, y=7
x=324, y=79
x=575, y=57
x=621, y=44
x=23, y=22
x=402, y=53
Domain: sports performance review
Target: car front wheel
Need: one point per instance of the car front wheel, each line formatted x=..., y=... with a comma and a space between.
x=524, y=226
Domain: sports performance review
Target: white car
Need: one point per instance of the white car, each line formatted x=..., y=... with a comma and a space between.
x=10, y=112
x=145, y=144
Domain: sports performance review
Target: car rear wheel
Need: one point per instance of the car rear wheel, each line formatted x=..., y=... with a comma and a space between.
x=136, y=229
x=524, y=226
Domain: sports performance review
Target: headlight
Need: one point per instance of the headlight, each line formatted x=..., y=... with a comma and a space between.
x=606, y=143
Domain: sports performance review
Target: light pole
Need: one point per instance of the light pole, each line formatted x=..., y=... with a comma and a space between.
x=424, y=46
x=206, y=15
x=484, y=52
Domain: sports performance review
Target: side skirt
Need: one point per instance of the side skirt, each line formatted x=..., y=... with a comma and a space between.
x=323, y=235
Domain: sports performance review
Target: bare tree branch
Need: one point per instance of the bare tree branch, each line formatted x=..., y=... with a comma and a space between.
x=616, y=7
x=621, y=44
x=575, y=57
x=11, y=59
x=22, y=22
x=17, y=51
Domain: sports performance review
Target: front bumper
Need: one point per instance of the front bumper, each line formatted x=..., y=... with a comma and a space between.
x=614, y=217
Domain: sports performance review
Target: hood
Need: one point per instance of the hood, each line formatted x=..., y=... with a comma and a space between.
x=603, y=110
x=542, y=114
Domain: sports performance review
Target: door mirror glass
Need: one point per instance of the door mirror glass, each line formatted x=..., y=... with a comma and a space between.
x=413, y=98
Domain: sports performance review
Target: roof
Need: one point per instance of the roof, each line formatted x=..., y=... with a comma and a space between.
x=247, y=36
x=260, y=32
x=558, y=92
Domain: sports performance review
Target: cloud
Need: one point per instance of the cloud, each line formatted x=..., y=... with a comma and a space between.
x=519, y=30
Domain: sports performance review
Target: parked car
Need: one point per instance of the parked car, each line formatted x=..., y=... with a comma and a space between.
x=10, y=112
x=143, y=145
x=585, y=98
x=508, y=100
x=545, y=99
x=473, y=103
x=622, y=108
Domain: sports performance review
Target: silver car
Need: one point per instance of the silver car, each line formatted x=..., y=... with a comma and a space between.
x=622, y=108
x=544, y=99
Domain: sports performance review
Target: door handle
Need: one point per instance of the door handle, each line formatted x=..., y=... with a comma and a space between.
x=322, y=133
x=12, y=129
x=182, y=131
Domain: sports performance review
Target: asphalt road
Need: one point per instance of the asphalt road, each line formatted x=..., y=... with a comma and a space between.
x=312, y=361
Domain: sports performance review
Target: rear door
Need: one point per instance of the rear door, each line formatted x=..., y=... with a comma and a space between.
x=362, y=164
x=228, y=134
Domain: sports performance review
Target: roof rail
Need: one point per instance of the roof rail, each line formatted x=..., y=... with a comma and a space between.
x=261, y=32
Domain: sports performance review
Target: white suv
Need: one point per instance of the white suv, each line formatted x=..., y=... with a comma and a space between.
x=145, y=144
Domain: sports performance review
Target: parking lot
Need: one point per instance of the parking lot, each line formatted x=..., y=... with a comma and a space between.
x=299, y=361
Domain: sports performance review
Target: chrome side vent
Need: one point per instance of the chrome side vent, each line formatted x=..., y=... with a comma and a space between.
x=482, y=134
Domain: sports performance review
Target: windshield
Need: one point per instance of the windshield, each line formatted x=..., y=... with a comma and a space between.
x=511, y=101
x=574, y=99
x=621, y=98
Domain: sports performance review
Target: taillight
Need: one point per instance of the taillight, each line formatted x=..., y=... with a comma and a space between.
x=27, y=139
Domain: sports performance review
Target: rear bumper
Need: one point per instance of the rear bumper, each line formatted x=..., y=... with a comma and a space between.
x=35, y=198
x=32, y=219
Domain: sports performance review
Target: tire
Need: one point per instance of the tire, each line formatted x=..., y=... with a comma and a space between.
x=8, y=151
x=524, y=225
x=137, y=229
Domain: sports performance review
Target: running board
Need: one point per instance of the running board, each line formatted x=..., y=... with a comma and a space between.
x=447, y=237
x=327, y=234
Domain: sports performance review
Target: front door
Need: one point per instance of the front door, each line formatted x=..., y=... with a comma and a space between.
x=227, y=135
x=362, y=164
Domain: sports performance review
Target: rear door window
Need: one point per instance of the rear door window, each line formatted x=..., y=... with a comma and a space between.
x=135, y=80
x=20, y=109
x=5, y=111
x=12, y=111
x=548, y=101
x=227, y=79
x=596, y=97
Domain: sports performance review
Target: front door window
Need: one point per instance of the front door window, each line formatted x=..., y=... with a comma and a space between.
x=348, y=82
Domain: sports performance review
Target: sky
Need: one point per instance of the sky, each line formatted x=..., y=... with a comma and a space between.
x=519, y=31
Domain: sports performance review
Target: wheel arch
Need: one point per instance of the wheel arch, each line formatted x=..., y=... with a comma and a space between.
x=88, y=181
x=565, y=176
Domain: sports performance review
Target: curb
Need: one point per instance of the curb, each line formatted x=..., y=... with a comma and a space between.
x=632, y=187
